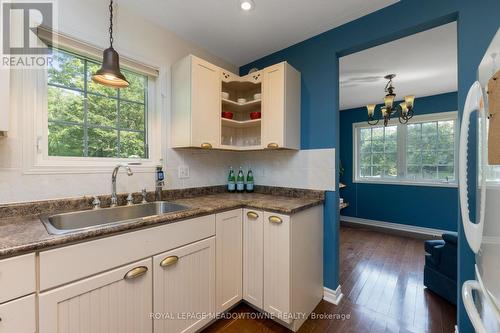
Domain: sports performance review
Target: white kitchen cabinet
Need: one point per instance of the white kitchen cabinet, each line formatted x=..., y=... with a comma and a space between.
x=253, y=257
x=116, y=301
x=17, y=277
x=283, y=263
x=184, y=287
x=277, y=265
x=18, y=316
x=281, y=98
x=196, y=104
x=229, y=259
x=4, y=101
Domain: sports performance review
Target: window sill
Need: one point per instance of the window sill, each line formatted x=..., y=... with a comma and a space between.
x=84, y=166
x=406, y=183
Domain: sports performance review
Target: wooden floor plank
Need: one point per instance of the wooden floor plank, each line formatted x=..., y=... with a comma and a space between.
x=382, y=280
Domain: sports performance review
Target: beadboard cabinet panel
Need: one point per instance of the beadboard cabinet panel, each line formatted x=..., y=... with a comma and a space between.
x=108, y=302
x=253, y=257
x=229, y=259
x=184, y=287
x=5, y=101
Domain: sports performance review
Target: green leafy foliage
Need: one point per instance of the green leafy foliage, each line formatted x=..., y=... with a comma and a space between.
x=89, y=119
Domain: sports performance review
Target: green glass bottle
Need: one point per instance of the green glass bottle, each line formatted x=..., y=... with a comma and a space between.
x=249, y=184
x=240, y=181
x=231, y=181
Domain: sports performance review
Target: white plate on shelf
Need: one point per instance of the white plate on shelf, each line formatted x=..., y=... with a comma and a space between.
x=257, y=96
x=242, y=100
x=225, y=95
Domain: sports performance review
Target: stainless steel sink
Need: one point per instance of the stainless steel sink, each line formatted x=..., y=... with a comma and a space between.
x=83, y=220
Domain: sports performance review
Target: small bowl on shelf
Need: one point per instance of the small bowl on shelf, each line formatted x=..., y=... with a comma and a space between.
x=227, y=115
x=242, y=100
x=225, y=95
x=257, y=96
x=255, y=115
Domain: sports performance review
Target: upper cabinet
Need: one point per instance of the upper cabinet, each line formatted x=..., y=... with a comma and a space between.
x=281, y=107
x=214, y=108
x=4, y=101
x=195, y=104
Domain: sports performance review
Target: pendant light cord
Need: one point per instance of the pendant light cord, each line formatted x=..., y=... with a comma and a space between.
x=111, y=23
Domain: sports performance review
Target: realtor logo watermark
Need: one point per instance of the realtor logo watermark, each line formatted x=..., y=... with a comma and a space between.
x=22, y=23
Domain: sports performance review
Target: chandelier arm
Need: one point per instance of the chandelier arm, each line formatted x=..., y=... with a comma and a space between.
x=372, y=122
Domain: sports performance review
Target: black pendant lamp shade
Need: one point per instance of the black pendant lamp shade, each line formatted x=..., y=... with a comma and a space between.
x=109, y=74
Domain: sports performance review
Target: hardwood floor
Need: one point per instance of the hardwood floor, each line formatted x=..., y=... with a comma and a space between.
x=382, y=281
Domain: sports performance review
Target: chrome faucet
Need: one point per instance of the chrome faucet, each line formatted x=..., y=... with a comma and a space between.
x=114, y=198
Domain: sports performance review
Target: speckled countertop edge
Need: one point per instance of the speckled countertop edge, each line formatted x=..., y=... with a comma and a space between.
x=25, y=234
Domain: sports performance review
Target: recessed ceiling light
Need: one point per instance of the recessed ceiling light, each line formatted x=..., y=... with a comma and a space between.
x=247, y=5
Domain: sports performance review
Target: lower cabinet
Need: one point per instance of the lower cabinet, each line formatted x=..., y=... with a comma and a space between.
x=253, y=257
x=277, y=265
x=116, y=301
x=283, y=263
x=18, y=316
x=184, y=287
x=229, y=259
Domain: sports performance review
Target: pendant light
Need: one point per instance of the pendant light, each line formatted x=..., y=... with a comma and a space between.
x=109, y=74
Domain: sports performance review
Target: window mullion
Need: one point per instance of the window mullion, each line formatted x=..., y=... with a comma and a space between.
x=85, y=112
x=401, y=150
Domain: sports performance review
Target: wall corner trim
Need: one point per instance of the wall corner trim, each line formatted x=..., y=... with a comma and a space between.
x=333, y=296
x=393, y=226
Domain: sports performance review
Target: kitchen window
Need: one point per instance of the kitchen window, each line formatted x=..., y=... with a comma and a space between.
x=423, y=152
x=86, y=119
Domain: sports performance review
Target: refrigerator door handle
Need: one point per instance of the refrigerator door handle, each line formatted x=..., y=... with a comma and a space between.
x=473, y=231
x=470, y=307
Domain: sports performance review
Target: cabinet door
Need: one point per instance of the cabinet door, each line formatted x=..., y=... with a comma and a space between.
x=206, y=104
x=18, y=316
x=273, y=106
x=5, y=98
x=118, y=301
x=277, y=265
x=229, y=259
x=184, y=287
x=253, y=257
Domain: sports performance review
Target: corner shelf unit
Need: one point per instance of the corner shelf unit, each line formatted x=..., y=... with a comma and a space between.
x=241, y=132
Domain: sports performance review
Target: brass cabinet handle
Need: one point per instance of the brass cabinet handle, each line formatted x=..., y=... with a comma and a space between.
x=206, y=145
x=252, y=215
x=275, y=219
x=273, y=146
x=136, y=272
x=169, y=261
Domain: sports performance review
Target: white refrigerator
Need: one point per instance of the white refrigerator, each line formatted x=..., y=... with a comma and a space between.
x=482, y=295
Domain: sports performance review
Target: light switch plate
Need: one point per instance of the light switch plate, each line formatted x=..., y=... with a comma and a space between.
x=183, y=171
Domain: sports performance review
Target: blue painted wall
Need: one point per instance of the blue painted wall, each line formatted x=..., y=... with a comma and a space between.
x=317, y=59
x=423, y=206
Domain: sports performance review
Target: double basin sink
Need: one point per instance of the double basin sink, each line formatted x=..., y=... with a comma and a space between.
x=64, y=223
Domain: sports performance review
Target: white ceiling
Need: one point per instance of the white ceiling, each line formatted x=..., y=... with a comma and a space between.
x=241, y=37
x=425, y=64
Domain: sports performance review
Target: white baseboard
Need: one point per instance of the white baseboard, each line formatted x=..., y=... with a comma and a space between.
x=333, y=296
x=456, y=329
x=393, y=226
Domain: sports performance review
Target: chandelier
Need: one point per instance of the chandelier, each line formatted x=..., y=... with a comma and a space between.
x=404, y=110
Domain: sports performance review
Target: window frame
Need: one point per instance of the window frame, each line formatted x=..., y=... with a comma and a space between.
x=36, y=159
x=86, y=93
x=401, y=153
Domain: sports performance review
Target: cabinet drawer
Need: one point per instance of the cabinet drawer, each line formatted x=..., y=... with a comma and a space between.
x=67, y=264
x=17, y=277
x=18, y=316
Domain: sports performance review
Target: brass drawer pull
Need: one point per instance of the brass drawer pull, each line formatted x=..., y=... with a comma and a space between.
x=252, y=215
x=275, y=219
x=136, y=272
x=273, y=146
x=169, y=261
x=206, y=145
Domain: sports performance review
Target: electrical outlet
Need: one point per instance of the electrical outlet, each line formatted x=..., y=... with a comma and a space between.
x=183, y=171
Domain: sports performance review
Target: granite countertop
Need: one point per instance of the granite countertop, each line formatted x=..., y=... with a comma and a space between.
x=24, y=234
